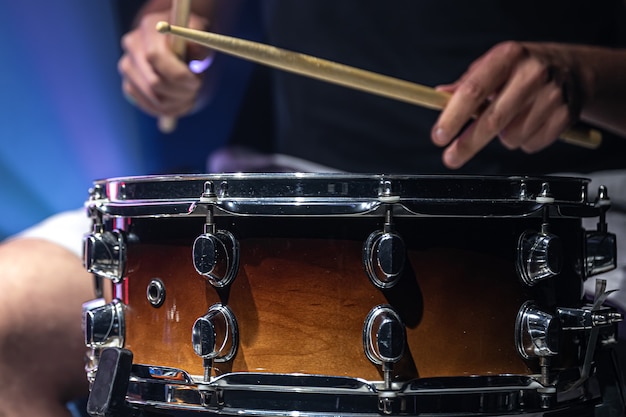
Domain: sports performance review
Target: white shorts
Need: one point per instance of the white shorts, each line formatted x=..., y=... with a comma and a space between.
x=65, y=229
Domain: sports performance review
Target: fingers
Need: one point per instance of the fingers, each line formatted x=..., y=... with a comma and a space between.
x=135, y=69
x=511, y=94
x=153, y=77
x=480, y=82
x=539, y=125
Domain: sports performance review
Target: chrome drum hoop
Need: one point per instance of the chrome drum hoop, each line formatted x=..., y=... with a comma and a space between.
x=295, y=194
x=278, y=395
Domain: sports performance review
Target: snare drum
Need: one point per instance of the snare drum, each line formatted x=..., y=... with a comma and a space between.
x=333, y=294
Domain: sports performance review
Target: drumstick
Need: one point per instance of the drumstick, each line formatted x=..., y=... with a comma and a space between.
x=344, y=75
x=179, y=16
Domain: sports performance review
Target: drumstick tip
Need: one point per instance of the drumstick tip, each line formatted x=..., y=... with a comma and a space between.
x=163, y=27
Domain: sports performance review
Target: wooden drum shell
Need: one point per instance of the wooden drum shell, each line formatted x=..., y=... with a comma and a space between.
x=301, y=294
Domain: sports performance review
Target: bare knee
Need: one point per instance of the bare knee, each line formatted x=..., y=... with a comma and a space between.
x=43, y=288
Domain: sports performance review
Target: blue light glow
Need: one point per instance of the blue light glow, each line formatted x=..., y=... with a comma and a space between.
x=64, y=121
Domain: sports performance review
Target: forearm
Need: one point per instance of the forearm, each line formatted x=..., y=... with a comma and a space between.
x=604, y=86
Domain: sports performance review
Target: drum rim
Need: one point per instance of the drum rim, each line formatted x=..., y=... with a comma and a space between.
x=334, y=194
x=346, y=175
x=510, y=393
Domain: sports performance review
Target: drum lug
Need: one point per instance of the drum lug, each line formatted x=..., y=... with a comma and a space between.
x=215, y=252
x=215, y=336
x=104, y=254
x=539, y=256
x=216, y=257
x=384, y=255
x=600, y=245
x=537, y=332
x=600, y=253
x=537, y=336
x=104, y=325
x=384, y=337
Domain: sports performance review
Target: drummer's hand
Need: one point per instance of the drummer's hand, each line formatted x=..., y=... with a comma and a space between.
x=518, y=92
x=153, y=77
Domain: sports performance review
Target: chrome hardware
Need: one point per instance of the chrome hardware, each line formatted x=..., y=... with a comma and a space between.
x=603, y=200
x=601, y=316
x=92, y=355
x=97, y=192
x=104, y=325
x=539, y=256
x=586, y=318
x=215, y=336
x=536, y=332
x=545, y=197
x=336, y=194
x=537, y=336
x=215, y=252
x=600, y=245
x=384, y=337
x=155, y=292
x=385, y=193
x=208, y=195
x=384, y=255
x=104, y=254
x=600, y=253
x=216, y=257
x=88, y=306
x=275, y=395
x=523, y=191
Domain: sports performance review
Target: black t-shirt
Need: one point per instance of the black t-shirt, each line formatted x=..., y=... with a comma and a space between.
x=430, y=42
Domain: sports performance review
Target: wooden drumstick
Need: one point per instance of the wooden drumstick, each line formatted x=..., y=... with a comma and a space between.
x=179, y=16
x=344, y=75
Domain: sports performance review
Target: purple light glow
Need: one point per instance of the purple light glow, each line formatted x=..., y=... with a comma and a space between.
x=198, y=66
x=65, y=122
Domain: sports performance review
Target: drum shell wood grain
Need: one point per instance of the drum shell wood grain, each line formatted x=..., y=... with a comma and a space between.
x=301, y=294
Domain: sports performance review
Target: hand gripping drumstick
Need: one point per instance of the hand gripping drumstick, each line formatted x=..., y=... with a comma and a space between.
x=180, y=17
x=344, y=75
